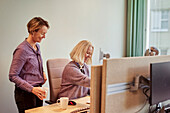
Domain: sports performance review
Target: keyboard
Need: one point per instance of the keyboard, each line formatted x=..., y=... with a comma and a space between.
x=82, y=110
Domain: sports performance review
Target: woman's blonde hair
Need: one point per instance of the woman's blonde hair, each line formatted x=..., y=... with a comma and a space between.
x=79, y=51
x=36, y=23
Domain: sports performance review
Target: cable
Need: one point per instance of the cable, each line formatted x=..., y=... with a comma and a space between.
x=142, y=106
x=150, y=109
x=145, y=90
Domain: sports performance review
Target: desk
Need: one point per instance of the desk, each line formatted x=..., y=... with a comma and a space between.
x=55, y=108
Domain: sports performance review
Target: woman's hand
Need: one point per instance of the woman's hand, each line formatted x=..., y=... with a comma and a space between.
x=45, y=78
x=39, y=92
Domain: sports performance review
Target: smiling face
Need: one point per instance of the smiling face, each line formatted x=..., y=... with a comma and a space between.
x=88, y=54
x=37, y=36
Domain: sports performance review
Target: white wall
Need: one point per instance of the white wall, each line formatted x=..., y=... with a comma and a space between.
x=100, y=21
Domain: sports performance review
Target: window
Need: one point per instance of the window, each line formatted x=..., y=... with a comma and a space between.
x=158, y=25
x=159, y=21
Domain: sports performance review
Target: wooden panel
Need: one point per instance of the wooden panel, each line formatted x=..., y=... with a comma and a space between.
x=95, y=92
x=126, y=102
x=123, y=70
x=103, y=96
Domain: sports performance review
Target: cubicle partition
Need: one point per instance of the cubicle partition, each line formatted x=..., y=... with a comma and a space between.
x=95, y=92
x=117, y=76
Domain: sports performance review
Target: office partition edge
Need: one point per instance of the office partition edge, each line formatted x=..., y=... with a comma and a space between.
x=95, y=92
x=103, y=97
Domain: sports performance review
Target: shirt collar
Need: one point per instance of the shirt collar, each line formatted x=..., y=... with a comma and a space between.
x=80, y=66
x=38, y=50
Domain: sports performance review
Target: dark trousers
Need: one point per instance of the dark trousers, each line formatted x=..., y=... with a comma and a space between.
x=26, y=100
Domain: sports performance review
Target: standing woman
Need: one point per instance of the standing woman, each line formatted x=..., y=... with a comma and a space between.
x=75, y=77
x=26, y=69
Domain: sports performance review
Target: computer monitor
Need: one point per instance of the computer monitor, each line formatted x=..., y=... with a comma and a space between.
x=160, y=82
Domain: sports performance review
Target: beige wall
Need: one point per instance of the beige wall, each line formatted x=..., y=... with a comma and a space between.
x=100, y=21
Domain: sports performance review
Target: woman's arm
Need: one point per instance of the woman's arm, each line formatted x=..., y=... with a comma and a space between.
x=19, y=59
x=75, y=76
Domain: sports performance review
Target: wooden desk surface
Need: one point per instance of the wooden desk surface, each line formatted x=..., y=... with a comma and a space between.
x=55, y=108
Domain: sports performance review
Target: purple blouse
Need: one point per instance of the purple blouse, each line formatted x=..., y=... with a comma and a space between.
x=74, y=82
x=26, y=70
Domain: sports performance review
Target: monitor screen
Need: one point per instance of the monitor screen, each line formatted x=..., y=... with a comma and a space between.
x=160, y=82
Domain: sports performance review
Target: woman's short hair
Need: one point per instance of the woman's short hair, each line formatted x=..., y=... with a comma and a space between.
x=36, y=23
x=79, y=51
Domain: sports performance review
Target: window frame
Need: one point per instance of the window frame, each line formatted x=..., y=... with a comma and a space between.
x=160, y=20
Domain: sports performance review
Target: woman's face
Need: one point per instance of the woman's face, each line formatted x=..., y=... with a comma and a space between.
x=88, y=54
x=40, y=34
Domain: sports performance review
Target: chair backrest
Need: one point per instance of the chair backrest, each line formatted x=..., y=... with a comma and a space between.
x=55, y=69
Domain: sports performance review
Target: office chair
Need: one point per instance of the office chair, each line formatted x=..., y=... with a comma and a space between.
x=55, y=69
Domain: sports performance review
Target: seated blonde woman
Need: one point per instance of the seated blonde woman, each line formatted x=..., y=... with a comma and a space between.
x=75, y=77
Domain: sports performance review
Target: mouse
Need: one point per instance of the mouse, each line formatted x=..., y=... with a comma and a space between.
x=71, y=102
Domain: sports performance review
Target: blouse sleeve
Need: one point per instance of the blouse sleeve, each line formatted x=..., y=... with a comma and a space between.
x=75, y=76
x=19, y=59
